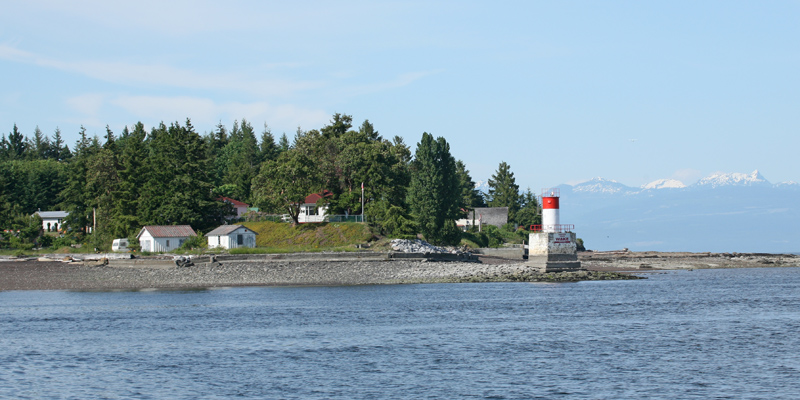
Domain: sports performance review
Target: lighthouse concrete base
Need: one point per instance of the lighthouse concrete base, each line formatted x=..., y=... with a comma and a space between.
x=553, y=252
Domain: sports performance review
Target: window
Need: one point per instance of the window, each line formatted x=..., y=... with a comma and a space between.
x=167, y=243
x=240, y=239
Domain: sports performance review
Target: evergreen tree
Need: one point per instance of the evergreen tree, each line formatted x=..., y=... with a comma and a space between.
x=268, y=150
x=283, y=143
x=214, y=143
x=40, y=146
x=434, y=195
x=4, y=148
x=503, y=191
x=110, y=143
x=101, y=189
x=132, y=176
x=74, y=197
x=240, y=159
x=470, y=196
x=178, y=189
x=529, y=214
x=59, y=151
x=122, y=139
x=401, y=173
x=220, y=136
x=82, y=144
x=338, y=126
x=368, y=130
x=44, y=181
x=16, y=144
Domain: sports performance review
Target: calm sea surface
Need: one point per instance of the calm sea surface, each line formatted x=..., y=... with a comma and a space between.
x=705, y=334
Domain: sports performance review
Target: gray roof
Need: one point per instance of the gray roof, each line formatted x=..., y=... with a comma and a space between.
x=497, y=216
x=168, y=231
x=52, y=214
x=226, y=230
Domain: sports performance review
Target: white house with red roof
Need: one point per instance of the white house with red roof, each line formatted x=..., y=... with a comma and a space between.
x=310, y=212
x=240, y=207
x=163, y=238
x=231, y=237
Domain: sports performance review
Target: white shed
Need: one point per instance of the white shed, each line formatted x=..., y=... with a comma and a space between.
x=52, y=221
x=162, y=238
x=231, y=237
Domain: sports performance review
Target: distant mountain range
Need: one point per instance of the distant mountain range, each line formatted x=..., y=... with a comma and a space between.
x=723, y=212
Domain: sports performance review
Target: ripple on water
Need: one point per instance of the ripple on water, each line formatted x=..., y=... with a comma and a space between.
x=700, y=334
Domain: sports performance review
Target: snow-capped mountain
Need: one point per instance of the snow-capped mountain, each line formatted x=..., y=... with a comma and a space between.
x=723, y=212
x=482, y=186
x=735, y=179
x=664, y=184
x=601, y=185
x=790, y=185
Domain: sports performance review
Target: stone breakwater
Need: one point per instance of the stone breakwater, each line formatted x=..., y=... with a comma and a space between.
x=39, y=275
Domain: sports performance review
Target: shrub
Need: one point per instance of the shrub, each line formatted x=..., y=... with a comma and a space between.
x=509, y=227
x=194, y=242
x=475, y=239
x=390, y=220
x=494, y=236
x=61, y=241
x=45, y=241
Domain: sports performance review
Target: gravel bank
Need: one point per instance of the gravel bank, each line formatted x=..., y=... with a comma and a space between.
x=40, y=275
x=55, y=275
x=651, y=260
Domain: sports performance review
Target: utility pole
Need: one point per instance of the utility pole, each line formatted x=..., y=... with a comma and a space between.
x=362, y=202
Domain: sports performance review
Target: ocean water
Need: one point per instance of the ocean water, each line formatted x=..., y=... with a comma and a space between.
x=704, y=334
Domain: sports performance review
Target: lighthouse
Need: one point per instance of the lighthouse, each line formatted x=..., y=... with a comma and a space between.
x=552, y=246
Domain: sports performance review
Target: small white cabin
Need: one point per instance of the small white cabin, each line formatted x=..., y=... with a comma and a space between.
x=231, y=237
x=163, y=238
x=52, y=221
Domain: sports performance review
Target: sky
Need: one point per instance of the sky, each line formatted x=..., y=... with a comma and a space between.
x=563, y=92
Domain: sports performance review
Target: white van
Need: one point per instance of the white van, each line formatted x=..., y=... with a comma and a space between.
x=119, y=245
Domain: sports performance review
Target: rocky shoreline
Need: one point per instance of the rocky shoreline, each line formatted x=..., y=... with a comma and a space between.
x=158, y=274
x=651, y=260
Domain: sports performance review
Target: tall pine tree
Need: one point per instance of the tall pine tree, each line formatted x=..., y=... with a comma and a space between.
x=504, y=191
x=434, y=195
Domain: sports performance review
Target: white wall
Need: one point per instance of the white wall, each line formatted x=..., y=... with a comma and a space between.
x=222, y=241
x=304, y=217
x=55, y=224
x=230, y=241
x=156, y=245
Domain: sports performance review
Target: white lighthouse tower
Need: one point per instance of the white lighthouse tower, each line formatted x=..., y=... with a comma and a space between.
x=552, y=245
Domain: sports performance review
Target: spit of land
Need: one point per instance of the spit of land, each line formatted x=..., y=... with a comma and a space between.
x=162, y=273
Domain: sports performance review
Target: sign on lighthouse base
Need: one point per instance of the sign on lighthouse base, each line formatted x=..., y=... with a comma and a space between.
x=553, y=252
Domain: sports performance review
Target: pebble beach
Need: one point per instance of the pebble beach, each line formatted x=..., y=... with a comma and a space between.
x=57, y=275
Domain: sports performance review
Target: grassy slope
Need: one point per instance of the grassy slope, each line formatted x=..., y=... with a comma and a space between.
x=280, y=236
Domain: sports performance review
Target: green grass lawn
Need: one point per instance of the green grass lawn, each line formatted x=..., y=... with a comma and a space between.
x=280, y=237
